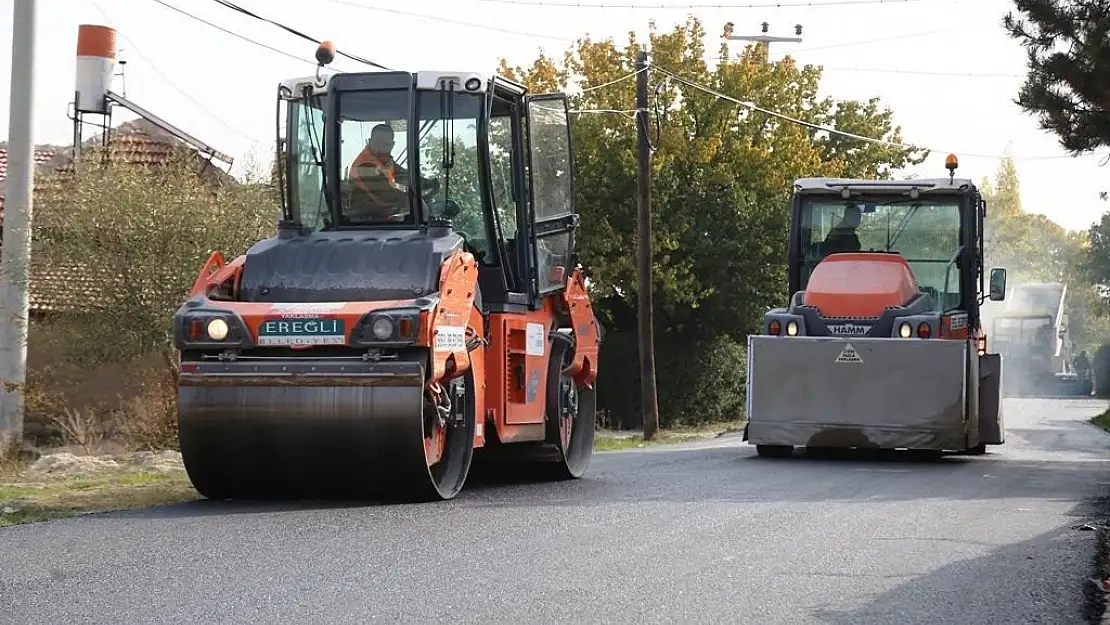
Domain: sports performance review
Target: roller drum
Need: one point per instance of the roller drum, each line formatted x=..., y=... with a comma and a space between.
x=304, y=431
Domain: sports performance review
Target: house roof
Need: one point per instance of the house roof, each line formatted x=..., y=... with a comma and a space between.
x=43, y=154
x=140, y=142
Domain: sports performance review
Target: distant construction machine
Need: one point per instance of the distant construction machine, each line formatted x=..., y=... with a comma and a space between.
x=409, y=311
x=881, y=346
x=1033, y=336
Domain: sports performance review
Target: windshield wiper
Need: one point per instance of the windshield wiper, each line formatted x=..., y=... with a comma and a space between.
x=316, y=144
x=447, y=116
x=902, y=223
x=424, y=130
x=951, y=262
x=891, y=240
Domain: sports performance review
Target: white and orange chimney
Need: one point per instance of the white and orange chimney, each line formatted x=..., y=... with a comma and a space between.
x=96, y=64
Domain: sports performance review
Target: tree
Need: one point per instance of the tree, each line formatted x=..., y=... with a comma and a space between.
x=1068, y=85
x=123, y=244
x=1031, y=247
x=117, y=246
x=721, y=184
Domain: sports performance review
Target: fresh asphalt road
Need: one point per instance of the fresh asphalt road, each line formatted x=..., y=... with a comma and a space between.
x=703, y=533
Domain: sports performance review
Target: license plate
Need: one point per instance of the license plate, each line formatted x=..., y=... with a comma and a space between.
x=302, y=332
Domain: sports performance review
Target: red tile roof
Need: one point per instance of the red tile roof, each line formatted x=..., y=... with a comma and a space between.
x=43, y=154
x=54, y=287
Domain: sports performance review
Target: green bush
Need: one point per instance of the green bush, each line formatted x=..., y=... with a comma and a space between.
x=698, y=381
x=116, y=249
x=119, y=245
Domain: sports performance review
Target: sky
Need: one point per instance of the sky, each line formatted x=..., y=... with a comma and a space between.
x=946, y=67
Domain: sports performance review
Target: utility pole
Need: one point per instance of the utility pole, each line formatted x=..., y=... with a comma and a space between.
x=766, y=39
x=15, y=250
x=649, y=399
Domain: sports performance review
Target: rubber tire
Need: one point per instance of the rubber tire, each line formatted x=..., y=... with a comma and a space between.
x=774, y=451
x=821, y=453
x=977, y=450
x=544, y=460
x=574, y=460
x=451, y=472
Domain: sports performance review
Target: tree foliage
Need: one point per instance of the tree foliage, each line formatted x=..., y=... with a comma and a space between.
x=118, y=247
x=1031, y=247
x=1068, y=85
x=721, y=184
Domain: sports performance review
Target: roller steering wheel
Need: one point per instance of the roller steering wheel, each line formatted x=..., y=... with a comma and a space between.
x=400, y=211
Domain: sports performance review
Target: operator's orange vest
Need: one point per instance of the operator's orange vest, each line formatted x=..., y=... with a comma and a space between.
x=376, y=187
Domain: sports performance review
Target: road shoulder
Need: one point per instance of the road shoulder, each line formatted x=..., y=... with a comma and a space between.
x=63, y=485
x=1097, y=591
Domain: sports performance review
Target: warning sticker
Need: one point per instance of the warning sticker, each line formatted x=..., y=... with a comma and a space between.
x=849, y=354
x=957, y=321
x=450, y=338
x=535, y=339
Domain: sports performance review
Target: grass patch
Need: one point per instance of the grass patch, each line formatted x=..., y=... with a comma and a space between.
x=614, y=440
x=57, y=498
x=1103, y=420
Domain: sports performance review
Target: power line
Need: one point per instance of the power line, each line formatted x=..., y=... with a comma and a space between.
x=866, y=42
x=911, y=72
x=298, y=33
x=629, y=113
x=615, y=81
x=571, y=40
x=830, y=130
x=169, y=82
x=447, y=20
x=749, y=5
x=881, y=70
x=235, y=34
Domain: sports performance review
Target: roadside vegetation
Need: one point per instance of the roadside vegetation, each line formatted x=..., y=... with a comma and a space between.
x=1102, y=420
x=117, y=246
x=607, y=440
x=27, y=501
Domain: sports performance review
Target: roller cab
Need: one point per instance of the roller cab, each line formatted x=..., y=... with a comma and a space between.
x=880, y=344
x=420, y=300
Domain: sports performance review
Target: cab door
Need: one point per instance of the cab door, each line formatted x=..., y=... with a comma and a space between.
x=551, y=191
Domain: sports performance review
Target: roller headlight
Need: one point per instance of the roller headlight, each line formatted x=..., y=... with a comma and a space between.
x=382, y=328
x=905, y=330
x=217, y=329
x=792, y=328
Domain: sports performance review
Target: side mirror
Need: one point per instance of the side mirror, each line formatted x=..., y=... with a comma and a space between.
x=998, y=284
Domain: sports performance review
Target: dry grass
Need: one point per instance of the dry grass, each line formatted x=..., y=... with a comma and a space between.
x=24, y=501
x=128, y=407
x=608, y=440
